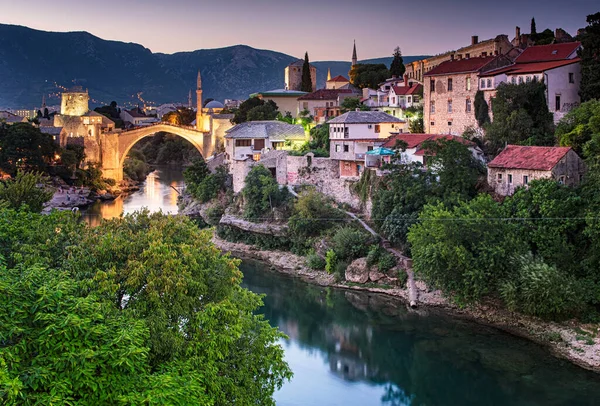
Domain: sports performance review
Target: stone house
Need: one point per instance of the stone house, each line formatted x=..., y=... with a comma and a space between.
x=517, y=165
x=136, y=117
x=449, y=93
x=293, y=75
x=254, y=138
x=337, y=82
x=500, y=45
x=354, y=133
x=323, y=104
x=556, y=65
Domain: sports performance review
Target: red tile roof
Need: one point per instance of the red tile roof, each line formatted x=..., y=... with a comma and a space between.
x=534, y=67
x=324, y=94
x=413, y=140
x=552, y=52
x=338, y=78
x=534, y=158
x=405, y=90
x=448, y=137
x=460, y=66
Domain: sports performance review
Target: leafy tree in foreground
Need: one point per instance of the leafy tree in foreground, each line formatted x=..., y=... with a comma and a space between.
x=590, y=59
x=25, y=189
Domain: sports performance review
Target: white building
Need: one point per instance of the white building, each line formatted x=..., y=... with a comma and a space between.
x=136, y=117
x=556, y=65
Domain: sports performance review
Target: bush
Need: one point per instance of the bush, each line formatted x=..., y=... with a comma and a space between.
x=375, y=252
x=262, y=241
x=25, y=189
x=262, y=194
x=340, y=270
x=350, y=243
x=402, y=277
x=214, y=214
x=541, y=290
x=315, y=262
x=386, y=262
x=330, y=262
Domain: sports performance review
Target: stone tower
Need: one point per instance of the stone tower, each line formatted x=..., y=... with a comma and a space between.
x=74, y=102
x=354, y=59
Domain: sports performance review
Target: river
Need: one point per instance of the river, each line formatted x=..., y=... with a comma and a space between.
x=354, y=348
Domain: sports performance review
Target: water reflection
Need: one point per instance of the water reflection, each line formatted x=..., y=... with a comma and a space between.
x=157, y=193
x=353, y=348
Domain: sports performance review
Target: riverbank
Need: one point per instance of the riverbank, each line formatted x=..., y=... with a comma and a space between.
x=569, y=340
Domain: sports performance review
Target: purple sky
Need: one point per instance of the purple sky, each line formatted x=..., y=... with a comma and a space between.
x=324, y=28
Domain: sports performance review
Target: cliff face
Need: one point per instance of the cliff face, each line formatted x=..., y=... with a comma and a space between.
x=35, y=63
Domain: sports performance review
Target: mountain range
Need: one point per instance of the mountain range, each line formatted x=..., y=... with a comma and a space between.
x=34, y=63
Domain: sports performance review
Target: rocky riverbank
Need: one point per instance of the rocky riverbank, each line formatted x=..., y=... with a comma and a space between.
x=570, y=340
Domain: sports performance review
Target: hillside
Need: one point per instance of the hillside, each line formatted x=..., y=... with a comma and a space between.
x=33, y=63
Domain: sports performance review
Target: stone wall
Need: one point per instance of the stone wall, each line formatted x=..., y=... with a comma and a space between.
x=239, y=170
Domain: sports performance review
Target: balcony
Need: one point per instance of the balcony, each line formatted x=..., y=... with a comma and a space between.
x=359, y=157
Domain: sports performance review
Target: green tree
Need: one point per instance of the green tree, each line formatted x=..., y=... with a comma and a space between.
x=590, y=61
x=26, y=189
x=351, y=104
x=482, y=110
x=397, y=67
x=202, y=184
x=261, y=193
x=580, y=128
x=521, y=117
x=464, y=250
x=368, y=75
x=255, y=109
x=23, y=146
x=533, y=29
x=112, y=112
x=182, y=116
x=306, y=85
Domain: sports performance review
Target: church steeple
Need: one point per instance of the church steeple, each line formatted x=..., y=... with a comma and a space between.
x=354, y=58
x=328, y=74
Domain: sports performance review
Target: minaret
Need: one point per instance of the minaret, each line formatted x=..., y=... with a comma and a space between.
x=43, y=102
x=190, y=100
x=328, y=74
x=354, y=59
x=199, y=118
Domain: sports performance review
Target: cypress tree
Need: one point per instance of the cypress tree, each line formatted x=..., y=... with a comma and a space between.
x=397, y=67
x=481, y=109
x=533, y=29
x=306, y=79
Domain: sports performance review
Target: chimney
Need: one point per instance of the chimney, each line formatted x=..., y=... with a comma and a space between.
x=467, y=56
x=518, y=33
x=405, y=80
x=452, y=57
x=459, y=57
x=474, y=40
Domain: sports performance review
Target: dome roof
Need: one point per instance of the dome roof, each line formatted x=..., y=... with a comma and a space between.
x=214, y=105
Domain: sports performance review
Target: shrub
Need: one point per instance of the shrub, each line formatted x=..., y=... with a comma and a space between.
x=386, y=262
x=24, y=190
x=340, y=270
x=214, y=214
x=315, y=262
x=541, y=290
x=402, y=277
x=330, y=262
x=350, y=243
x=262, y=193
x=375, y=252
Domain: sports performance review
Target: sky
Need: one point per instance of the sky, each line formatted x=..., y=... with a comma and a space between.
x=324, y=28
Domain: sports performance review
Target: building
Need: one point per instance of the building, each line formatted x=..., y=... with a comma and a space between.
x=286, y=100
x=355, y=133
x=337, y=82
x=496, y=46
x=26, y=113
x=323, y=104
x=403, y=96
x=293, y=75
x=253, y=138
x=449, y=93
x=517, y=165
x=136, y=117
x=556, y=65
x=415, y=151
x=232, y=103
x=10, y=118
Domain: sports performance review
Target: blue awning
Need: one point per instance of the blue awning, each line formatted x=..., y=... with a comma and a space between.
x=380, y=151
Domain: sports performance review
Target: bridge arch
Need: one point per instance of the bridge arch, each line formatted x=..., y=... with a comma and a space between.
x=118, y=144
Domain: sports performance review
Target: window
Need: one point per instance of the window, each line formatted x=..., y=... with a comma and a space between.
x=499, y=178
x=449, y=106
x=483, y=83
x=370, y=148
x=370, y=126
x=557, y=103
x=305, y=106
x=337, y=148
x=449, y=123
x=561, y=179
x=468, y=83
x=432, y=104
x=528, y=79
x=377, y=128
x=513, y=80
x=415, y=99
x=259, y=144
x=449, y=85
x=571, y=77
x=243, y=143
x=432, y=85
x=510, y=178
x=432, y=123
x=489, y=83
x=520, y=80
x=346, y=148
x=393, y=100
x=468, y=106
x=525, y=179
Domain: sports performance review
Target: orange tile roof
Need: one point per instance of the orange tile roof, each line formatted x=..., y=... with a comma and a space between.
x=552, y=52
x=526, y=157
x=460, y=66
x=533, y=67
x=338, y=78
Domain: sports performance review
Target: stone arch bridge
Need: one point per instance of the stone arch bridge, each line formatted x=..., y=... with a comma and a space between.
x=115, y=145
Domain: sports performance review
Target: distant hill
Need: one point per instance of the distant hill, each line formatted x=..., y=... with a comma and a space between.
x=34, y=63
